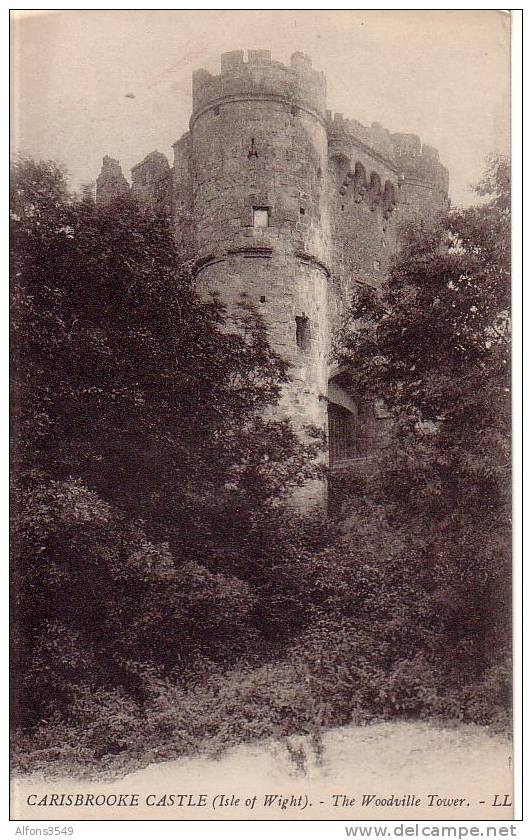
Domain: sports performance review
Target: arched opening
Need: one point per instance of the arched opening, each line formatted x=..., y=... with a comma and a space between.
x=375, y=183
x=389, y=200
x=374, y=192
x=359, y=183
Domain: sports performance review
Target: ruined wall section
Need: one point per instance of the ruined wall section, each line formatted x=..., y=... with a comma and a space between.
x=151, y=182
x=110, y=183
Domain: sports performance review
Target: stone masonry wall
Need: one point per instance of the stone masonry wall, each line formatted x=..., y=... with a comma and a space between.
x=152, y=182
x=110, y=183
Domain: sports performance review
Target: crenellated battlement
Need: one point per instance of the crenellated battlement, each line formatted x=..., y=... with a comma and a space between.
x=404, y=153
x=260, y=78
x=376, y=138
x=419, y=161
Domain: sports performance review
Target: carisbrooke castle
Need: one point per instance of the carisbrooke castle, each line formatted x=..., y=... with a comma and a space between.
x=291, y=206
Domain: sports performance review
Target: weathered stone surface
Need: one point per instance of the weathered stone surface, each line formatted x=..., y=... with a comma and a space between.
x=111, y=182
x=152, y=181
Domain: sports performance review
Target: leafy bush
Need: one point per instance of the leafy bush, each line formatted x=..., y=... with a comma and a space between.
x=101, y=597
x=333, y=677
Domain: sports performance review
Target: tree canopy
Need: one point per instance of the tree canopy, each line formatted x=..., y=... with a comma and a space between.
x=139, y=439
x=434, y=346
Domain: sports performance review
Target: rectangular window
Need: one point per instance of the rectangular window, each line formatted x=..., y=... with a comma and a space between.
x=261, y=217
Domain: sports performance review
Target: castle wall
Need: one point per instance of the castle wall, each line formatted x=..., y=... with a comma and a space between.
x=151, y=182
x=363, y=211
x=333, y=195
x=377, y=182
x=182, y=195
x=110, y=183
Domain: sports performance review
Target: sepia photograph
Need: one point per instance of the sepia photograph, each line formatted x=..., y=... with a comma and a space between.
x=261, y=415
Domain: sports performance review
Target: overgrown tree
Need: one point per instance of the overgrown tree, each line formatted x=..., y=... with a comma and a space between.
x=140, y=448
x=434, y=346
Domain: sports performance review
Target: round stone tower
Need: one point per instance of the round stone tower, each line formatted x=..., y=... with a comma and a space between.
x=258, y=165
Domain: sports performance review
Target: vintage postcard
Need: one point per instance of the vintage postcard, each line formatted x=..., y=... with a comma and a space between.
x=261, y=415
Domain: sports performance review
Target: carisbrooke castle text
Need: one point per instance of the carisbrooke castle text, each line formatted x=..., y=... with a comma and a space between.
x=291, y=206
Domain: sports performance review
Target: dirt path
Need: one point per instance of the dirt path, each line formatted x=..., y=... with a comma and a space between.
x=416, y=764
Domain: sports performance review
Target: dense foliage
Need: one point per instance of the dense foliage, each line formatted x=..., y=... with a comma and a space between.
x=435, y=348
x=140, y=452
x=165, y=600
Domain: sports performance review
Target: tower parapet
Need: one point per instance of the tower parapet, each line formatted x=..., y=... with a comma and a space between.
x=403, y=153
x=411, y=172
x=260, y=77
x=375, y=139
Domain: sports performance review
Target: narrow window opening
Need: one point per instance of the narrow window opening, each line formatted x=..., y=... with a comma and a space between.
x=261, y=217
x=301, y=211
x=262, y=299
x=302, y=332
x=252, y=149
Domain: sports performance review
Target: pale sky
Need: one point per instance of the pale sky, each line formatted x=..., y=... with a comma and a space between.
x=444, y=75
